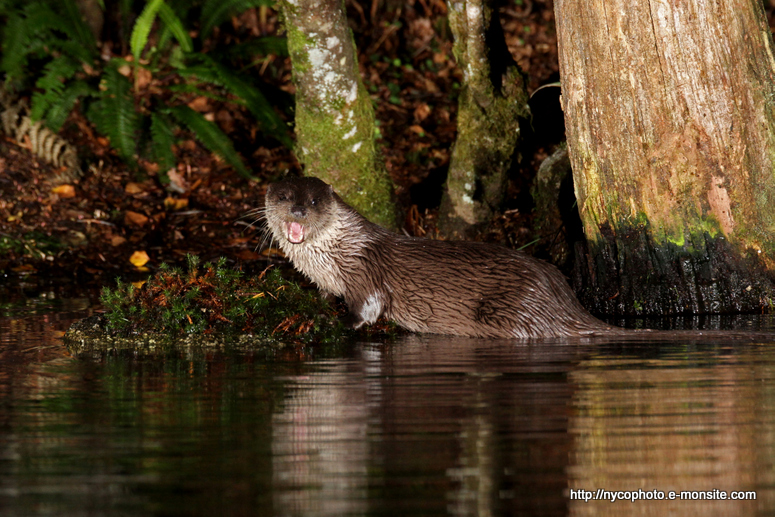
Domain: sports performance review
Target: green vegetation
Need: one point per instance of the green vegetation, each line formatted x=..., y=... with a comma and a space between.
x=137, y=101
x=217, y=299
x=35, y=245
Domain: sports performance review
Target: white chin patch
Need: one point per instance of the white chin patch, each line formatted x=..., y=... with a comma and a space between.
x=294, y=232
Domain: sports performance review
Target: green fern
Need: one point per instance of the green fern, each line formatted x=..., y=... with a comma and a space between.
x=192, y=89
x=211, y=136
x=44, y=30
x=46, y=25
x=114, y=113
x=175, y=26
x=61, y=108
x=215, y=12
x=14, y=59
x=51, y=84
x=53, y=34
x=142, y=28
x=162, y=139
x=249, y=95
x=256, y=47
x=72, y=23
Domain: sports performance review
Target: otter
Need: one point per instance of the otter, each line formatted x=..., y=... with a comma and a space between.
x=461, y=288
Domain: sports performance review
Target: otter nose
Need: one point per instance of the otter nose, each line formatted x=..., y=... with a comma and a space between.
x=298, y=211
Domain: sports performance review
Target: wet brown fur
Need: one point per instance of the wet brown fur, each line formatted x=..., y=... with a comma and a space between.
x=461, y=288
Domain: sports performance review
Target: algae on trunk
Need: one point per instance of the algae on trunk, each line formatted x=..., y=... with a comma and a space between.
x=334, y=115
x=671, y=135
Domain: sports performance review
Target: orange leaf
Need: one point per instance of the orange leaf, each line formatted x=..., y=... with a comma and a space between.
x=175, y=203
x=133, y=188
x=139, y=258
x=64, y=191
x=417, y=129
x=134, y=218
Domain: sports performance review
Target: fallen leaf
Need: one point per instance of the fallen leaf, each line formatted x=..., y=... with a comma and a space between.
x=417, y=129
x=269, y=252
x=421, y=112
x=139, y=259
x=200, y=104
x=139, y=283
x=134, y=218
x=117, y=240
x=133, y=188
x=248, y=255
x=177, y=181
x=173, y=203
x=24, y=268
x=143, y=78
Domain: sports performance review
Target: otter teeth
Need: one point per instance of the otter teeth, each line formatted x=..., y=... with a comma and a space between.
x=294, y=232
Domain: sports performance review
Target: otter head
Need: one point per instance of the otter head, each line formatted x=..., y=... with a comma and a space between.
x=300, y=210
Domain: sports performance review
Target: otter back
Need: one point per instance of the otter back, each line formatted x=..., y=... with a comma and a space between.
x=462, y=288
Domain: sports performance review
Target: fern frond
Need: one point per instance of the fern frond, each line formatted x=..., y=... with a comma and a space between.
x=75, y=49
x=7, y=7
x=51, y=84
x=215, y=12
x=211, y=137
x=162, y=139
x=248, y=94
x=173, y=23
x=258, y=47
x=142, y=28
x=114, y=113
x=40, y=20
x=199, y=92
x=72, y=23
x=58, y=112
x=14, y=60
x=37, y=29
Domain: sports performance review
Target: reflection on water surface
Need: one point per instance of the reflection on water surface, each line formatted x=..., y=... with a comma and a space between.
x=426, y=425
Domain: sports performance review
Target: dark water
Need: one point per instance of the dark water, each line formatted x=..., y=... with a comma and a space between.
x=421, y=426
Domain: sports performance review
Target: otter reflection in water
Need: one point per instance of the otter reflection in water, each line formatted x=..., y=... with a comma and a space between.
x=461, y=288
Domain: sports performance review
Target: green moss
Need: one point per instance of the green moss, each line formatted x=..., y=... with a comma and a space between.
x=216, y=299
x=488, y=133
x=678, y=240
x=346, y=155
x=298, y=45
x=337, y=134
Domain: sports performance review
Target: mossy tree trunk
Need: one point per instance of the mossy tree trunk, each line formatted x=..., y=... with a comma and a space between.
x=334, y=115
x=493, y=102
x=671, y=134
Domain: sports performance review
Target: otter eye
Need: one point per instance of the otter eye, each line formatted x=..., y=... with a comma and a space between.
x=313, y=201
x=282, y=197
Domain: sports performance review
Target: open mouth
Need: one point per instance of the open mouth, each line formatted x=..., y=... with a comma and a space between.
x=294, y=232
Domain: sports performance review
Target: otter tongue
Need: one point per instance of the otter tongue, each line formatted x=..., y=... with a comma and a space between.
x=295, y=232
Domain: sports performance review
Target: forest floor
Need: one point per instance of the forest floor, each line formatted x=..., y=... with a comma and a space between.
x=90, y=230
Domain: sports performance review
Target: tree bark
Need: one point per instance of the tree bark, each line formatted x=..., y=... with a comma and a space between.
x=334, y=115
x=493, y=102
x=670, y=126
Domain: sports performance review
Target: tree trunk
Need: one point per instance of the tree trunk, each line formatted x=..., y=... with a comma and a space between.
x=670, y=119
x=334, y=115
x=492, y=103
